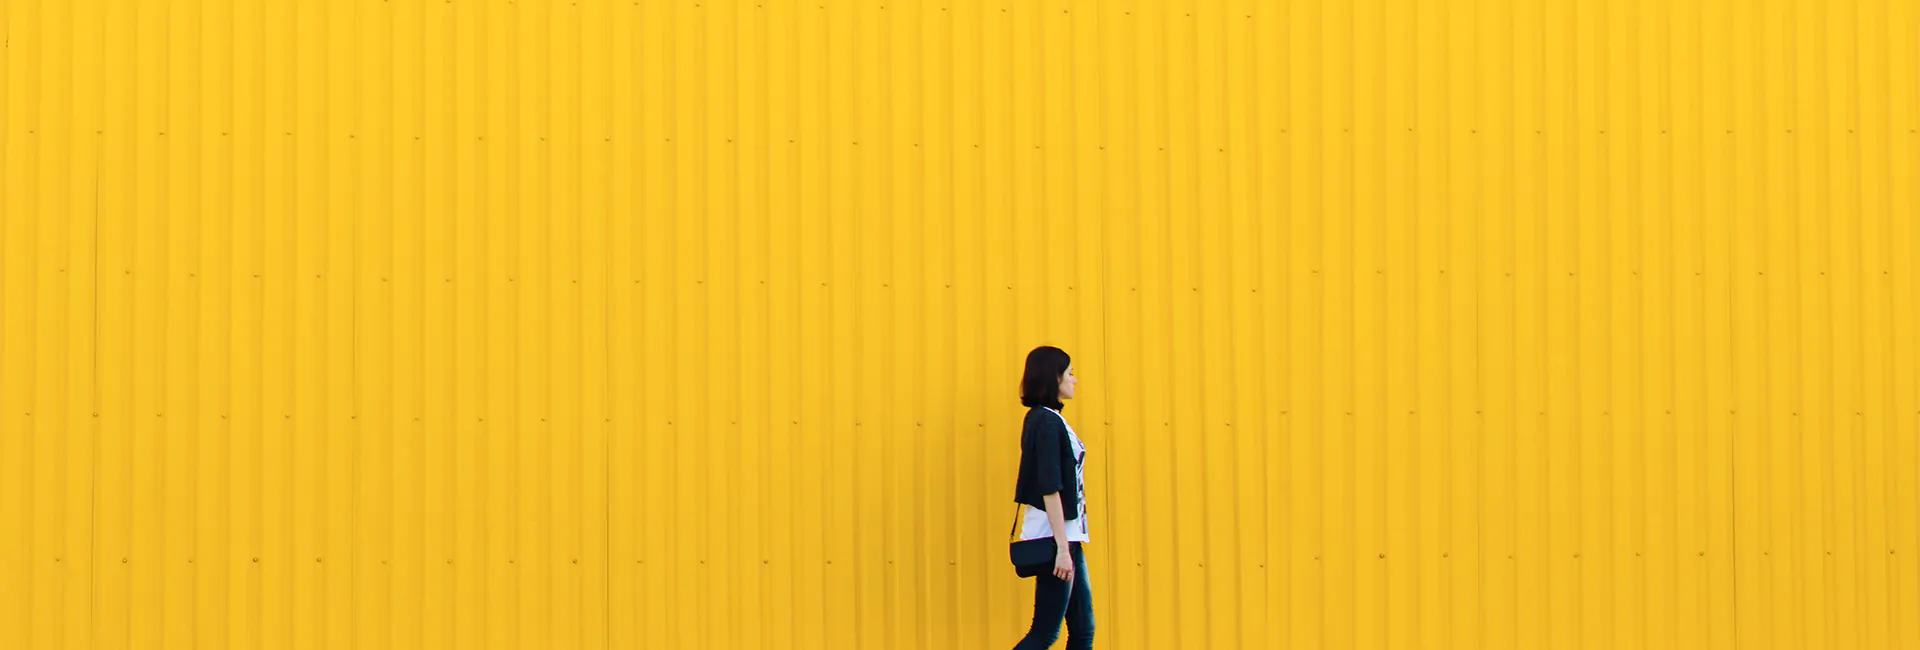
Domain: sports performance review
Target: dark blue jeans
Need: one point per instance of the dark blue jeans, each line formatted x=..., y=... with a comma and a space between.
x=1054, y=599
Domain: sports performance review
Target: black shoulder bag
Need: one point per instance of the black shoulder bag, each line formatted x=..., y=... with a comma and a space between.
x=1032, y=557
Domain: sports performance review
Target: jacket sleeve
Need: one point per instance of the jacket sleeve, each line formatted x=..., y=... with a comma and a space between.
x=1041, y=442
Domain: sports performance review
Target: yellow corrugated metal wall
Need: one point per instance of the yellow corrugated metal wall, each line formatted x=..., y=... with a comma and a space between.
x=696, y=324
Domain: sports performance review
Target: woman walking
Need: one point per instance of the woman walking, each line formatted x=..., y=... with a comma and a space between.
x=1052, y=503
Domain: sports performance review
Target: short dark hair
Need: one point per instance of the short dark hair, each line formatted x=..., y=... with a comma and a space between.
x=1040, y=386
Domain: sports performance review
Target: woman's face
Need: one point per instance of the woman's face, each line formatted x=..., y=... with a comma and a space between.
x=1066, y=383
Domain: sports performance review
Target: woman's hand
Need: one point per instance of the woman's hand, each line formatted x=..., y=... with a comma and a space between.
x=1057, y=518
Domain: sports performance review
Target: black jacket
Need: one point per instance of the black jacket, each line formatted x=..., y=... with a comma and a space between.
x=1047, y=463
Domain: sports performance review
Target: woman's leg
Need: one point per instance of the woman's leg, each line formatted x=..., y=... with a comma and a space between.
x=1080, y=605
x=1049, y=606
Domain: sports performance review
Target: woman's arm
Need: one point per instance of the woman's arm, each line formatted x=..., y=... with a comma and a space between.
x=1062, y=557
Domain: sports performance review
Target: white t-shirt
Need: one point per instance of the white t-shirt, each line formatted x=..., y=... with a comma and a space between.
x=1034, y=524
